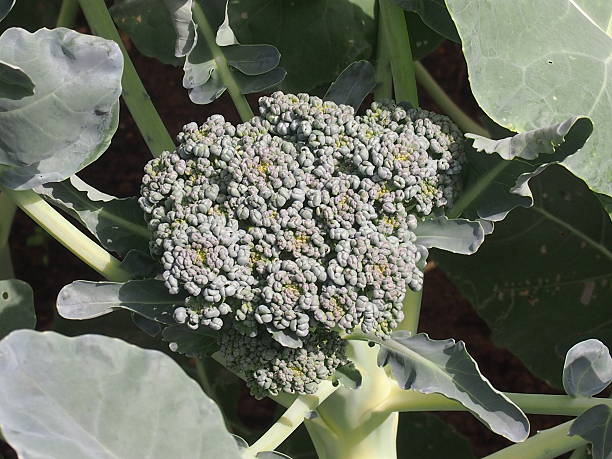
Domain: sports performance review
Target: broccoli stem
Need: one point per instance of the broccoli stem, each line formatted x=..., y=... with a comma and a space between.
x=384, y=80
x=68, y=235
x=402, y=66
x=447, y=105
x=547, y=444
x=562, y=405
x=67, y=13
x=7, y=211
x=290, y=420
x=243, y=107
x=134, y=93
x=412, y=311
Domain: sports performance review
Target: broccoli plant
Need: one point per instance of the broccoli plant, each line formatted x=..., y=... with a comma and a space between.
x=289, y=250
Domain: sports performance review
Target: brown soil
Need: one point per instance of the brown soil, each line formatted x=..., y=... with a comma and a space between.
x=48, y=267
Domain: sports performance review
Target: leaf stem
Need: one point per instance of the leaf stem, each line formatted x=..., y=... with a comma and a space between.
x=134, y=93
x=68, y=235
x=243, y=107
x=575, y=231
x=546, y=444
x=412, y=310
x=290, y=420
x=562, y=405
x=384, y=80
x=398, y=41
x=449, y=107
x=67, y=13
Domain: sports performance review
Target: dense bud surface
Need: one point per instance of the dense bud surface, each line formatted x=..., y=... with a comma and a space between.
x=297, y=225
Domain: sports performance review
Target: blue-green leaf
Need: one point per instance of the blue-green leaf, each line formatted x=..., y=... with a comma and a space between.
x=118, y=223
x=191, y=343
x=456, y=235
x=86, y=299
x=445, y=367
x=587, y=369
x=69, y=121
x=525, y=87
x=252, y=59
x=352, y=85
x=16, y=306
x=5, y=7
x=434, y=14
x=258, y=83
x=595, y=426
x=14, y=83
x=60, y=397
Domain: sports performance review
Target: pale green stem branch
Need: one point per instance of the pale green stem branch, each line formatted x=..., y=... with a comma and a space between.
x=596, y=245
x=562, y=405
x=244, y=110
x=449, y=107
x=7, y=212
x=384, y=80
x=412, y=310
x=400, y=54
x=290, y=420
x=68, y=235
x=546, y=444
x=134, y=93
x=67, y=13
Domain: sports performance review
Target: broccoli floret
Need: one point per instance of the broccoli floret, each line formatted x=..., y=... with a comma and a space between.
x=297, y=226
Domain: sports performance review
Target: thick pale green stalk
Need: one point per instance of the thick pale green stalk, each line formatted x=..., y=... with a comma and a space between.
x=449, y=107
x=398, y=41
x=412, y=310
x=7, y=211
x=563, y=405
x=67, y=14
x=384, y=80
x=244, y=110
x=134, y=93
x=68, y=235
x=546, y=444
x=290, y=420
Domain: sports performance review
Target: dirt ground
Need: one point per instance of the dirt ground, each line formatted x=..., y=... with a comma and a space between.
x=47, y=266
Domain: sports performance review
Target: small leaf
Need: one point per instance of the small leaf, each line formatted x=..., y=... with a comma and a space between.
x=182, y=21
x=149, y=298
x=445, y=367
x=69, y=121
x=352, y=85
x=587, y=369
x=140, y=264
x=258, y=83
x=496, y=186
x=5, y=8
x=456, y=235
x=150, y=327
x=252, y=59
x=16, y=306
x=595, y=426
x=434, y=14
x=60, y=397
x=191, y=343
x=285, y=338
x=348, y=375
x=118, y=223
x=14, y=83
x=423, y=39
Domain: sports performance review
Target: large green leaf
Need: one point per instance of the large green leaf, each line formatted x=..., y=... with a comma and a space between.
x=117, y=223
x=595, y=426
x=86, y=299
x=125, y=405
x=546, y=272
x=445, y=367
x=14, y=83
x=162, y=29
x=317, y=39
x=561, y=66
x=70, y=119
x=16, y=306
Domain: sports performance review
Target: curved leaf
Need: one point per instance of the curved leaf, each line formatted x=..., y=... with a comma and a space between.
x=5, y=7
x=14, y=83
x=496, y=186
x=348, y=375
x=69, y=121
x=331, y=35
x=445, y=367
x=16, y=306
x=118, y=223
x=595, y=426
x=50, y=407
x=549, y=264
x=86, y=299
x=423, y=40
x=352, y=85
x=191, y=343
x=257, y=83
x=457, y=235
x=434, y=14
x=587, y=369
x=252, y=59
x=526, y=87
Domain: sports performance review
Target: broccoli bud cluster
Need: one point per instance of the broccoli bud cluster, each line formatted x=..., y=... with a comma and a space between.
x=297, y=226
